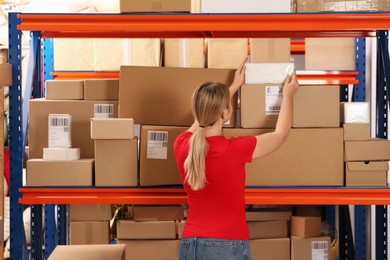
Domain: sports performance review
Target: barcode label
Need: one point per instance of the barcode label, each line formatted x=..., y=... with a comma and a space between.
x=157, y=147
x=58, y=121
x=319, y=250
x=103, y=111
x=273, y=99
x=59, y=130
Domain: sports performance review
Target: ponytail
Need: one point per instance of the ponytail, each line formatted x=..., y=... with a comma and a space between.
x=195, y=163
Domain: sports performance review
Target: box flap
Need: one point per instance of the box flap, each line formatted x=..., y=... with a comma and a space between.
x=370, y=166
x=90, y=252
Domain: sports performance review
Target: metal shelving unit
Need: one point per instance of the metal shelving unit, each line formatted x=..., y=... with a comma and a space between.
x=296, y=25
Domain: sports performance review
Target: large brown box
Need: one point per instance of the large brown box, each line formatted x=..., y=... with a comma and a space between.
x=150, y=249
x=116, y=162
x=356, y=132
x=370, y=150
x=91, y=252
x=101, y=89
x=330, y=54
x=81, y=111
x=310, y=157
x=185, y=53
x=6, y=75
x=226, y=53
x=157, y=159
x=270, y=50
x=89, y=232
x=155, y=6
x=162, y=96
x=366, y=174
x=158, y=213
x=90, y=212
x=268, y=215
x=64, y=90
x=305, y=226
x=267, y=229
x=59, y=173
x=314, y=106
x=129, y=229
x=271, y=249
x=306, y=248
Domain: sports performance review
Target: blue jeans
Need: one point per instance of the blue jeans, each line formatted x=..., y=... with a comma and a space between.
x=214, y=249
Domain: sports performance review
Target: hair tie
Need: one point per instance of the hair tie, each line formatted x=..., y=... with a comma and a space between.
x=201, y=126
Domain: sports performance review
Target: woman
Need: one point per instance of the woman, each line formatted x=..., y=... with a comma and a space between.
x=212, y=169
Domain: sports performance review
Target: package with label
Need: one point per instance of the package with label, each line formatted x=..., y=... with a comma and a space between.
x=305, y=226
x=116, y=162
x=159, y=6
x=310, y=248
x=73, y=54
x=61, y=154
x=112, y=128
x=267, y=50
x=157, y=159
x=267, y=229
x=113, y=252
x=60, y=130
x=261, y=73
x=185, y=53
x=143, y=52
x=59, y=173
x=158, y=212
x=150, y=249
x=6, y=75
x=270, y=248
x=356, y=132
x=330, y=54
x=366, y=173
x=89, y=232
x=355, y=112
x=129, y=229
x=65, y=89
x=226, y=53
x=374, y=149
x=90, y=212
x=246, y=6
x=81, y=111
x=168, y=88
x=101, y=89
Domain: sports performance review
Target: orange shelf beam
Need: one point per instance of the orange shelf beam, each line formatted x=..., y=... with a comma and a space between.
x=297, y=46
x=304, y=77
x=281, y=196
x=291, y=25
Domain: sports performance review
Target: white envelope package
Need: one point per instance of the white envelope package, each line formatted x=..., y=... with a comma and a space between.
x=261, y=73
x=356, y=112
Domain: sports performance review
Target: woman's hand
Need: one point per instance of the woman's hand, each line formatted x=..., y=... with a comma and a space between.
x=239, y=77
x=290, y=85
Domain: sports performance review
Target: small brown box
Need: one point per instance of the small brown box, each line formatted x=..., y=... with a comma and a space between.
x=90, y=212
x=271, y=248
x=89, y=232
x=267, y=229
x=101, y=89
x=270, y=50
x=64, y=90
x=356, y=132
x=158, y=213
x=374, y=149
x=305, y=248
x=366, y=174
x=6, y=75
x=305, y=226
x=112, y=128
x=129, y=229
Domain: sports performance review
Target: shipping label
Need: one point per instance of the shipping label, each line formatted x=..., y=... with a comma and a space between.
x=273, y=99
x=319, y=250
x=59, y=130
x=157, y=147
x=103, y=111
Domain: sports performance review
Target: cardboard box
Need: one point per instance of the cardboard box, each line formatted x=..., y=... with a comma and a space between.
x=366, y=174
x=90, y=212
x=342, y=5
x=226, y=53
x=317, y=106
x=180, y=228
x=270, y=249
x=113, y=61
x=59, y=173
x=245, y=6
x=90, y=252
x=310, y=157
x=101, y=89
x=330, y=54
x=370, y=150
x=266, y=50
x=158, y=213
x=184, y=53
x=266, y=73
x=267, y=229
x=144, y=52
x=308, y=210
x=6, y=75
x=310, y=248
x=356, y=132
x=268, y=215
x=116, y=162
x=61, y=154
x=112, y=128
x=314, y=106
x=305, y=226
x=155, y=6
x=128, y=229
x=157, y=158
x=151, y=249
x=64, y=89
x=81, y=112
x=89, y=233
x=73, y=54
x=162, y=96
x=355, y=112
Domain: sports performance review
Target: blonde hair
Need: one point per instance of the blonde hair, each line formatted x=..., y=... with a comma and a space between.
x=208, y=103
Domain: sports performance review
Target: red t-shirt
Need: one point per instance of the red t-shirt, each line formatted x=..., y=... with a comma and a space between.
x=218, y=210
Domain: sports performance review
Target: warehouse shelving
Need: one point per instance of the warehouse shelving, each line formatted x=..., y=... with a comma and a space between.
x=297, y=25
